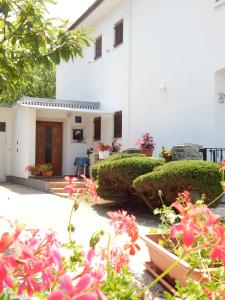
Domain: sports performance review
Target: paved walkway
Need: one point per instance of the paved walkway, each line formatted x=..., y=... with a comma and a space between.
x=40, y=210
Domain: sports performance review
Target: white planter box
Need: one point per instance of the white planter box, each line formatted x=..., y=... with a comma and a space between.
x=103, y=154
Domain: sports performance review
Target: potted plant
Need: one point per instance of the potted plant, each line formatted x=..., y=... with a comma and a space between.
x=146, y=144
x=166, y=154
x=103, y=150
x=45, y=169
x=116, y=146
x=191, y=244
x=33, y=170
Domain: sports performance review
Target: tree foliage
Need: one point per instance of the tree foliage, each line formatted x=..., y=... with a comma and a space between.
x=28, y=39
x=39, y=82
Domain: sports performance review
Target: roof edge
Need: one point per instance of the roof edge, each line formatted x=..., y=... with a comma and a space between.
x=89, y=11
x=5, y=105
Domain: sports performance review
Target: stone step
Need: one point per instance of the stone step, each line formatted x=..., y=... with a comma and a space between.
x=61, y=184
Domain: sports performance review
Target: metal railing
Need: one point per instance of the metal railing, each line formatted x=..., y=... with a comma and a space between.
x=213, y=154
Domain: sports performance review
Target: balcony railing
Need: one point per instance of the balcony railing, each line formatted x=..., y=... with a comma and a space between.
x=213, y=154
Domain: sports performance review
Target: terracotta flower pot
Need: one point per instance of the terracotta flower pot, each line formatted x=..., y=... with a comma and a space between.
x=48, y=173
x=147, y=152
x=162, y=259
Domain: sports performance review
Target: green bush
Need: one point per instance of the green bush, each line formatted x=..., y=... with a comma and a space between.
x=198, y=177
x=115, y=176
x=115, y=156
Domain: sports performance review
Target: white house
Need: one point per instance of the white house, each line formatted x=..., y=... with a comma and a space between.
x=166, y=74
x=155, y=66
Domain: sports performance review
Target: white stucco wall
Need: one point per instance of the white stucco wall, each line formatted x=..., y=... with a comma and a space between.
x=24, y=140
x=103, y=80
x=6, y=115
x=171, y=46
x=177, y=44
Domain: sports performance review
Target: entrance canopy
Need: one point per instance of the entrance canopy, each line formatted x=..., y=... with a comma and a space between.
x=64, y=105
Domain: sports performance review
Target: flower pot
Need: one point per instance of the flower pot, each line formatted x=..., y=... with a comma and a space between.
x=48, y=173
x=161, y=258
x=147, y=152
x=103, y=154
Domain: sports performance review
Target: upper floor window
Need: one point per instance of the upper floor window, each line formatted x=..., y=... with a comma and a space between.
x=2, y=126
x=97, y=129
x=118, y=33
x=118, y=124
x=98, y=47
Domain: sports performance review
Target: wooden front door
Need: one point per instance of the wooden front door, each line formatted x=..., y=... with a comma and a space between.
x=49, y=145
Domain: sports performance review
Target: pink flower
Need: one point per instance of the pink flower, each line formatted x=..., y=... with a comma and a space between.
x=5, y=279
x=123, y=223
x=91, y=187
x=69, y=187
x=186, y=230
x=6, y=241
x=218, y=251
x=84, y=289
x=118, y=259
x=29, y=283
x=196, y=220
x=132, y=247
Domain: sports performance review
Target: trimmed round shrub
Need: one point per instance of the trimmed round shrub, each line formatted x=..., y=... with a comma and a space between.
x=131, y=150
x=115, y=177
x=197, y=177
x=115, y=156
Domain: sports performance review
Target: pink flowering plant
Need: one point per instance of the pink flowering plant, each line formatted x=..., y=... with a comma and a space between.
x=146, y=141
x=195, y=234
x=116, y=146
x=31, y=262
x=102, y=147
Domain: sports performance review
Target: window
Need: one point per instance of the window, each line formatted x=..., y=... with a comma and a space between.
x=118, y=33
x=2, y=126
x=98, y=47
x=97, y=129
x=118, y=124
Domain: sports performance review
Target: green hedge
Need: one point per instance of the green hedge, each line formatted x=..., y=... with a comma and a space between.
x=115, y=156
x=198, y=177
x=115, y=176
